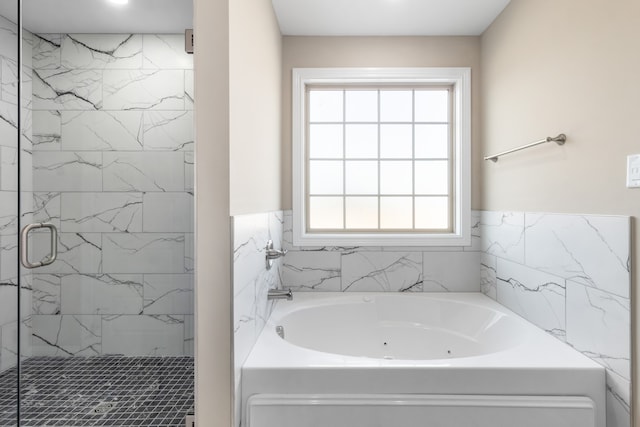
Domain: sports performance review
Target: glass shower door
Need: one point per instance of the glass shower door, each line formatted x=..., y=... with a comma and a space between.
x=13, y=308
x=108, y=158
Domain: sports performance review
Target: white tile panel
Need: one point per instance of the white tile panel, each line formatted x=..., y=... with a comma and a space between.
x=168, y=294
x=144, y=90
x=101, y=294
x=451, y=271
x=101, y=130
x=537, y=296
x=143, y=253
x=143, y=171
x=101, y=212
x=101, y=51
x=143, y=335
x=382, y=271
x=67, y=171
x=589, y=249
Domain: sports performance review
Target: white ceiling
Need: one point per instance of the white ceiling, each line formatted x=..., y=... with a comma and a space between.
x=386, y=17
x=101, y=16
x=296, y=17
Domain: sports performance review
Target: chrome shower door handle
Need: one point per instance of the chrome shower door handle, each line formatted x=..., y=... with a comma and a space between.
x=24, y=245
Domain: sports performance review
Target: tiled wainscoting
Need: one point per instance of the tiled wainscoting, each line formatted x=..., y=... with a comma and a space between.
x=113, y=170
x=381, y=269
x=569, y=275
x=251, y=281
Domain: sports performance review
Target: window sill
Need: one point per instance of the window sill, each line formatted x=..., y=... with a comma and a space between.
x=353, y=239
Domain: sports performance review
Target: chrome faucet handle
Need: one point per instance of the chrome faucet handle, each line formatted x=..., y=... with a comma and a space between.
x=271, y=253
x=275, y=254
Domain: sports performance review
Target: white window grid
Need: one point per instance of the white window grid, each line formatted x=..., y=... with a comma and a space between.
x=344, y=159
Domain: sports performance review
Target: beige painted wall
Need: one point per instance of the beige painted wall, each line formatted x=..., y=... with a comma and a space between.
x=378, y=52
x=238, y=150
x=213, y=328
x=569, y=66
x=255, y=87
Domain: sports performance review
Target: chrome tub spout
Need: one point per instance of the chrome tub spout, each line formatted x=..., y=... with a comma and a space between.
x=280, y=294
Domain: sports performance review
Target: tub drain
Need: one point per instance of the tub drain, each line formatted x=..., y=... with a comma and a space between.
x=102, y=408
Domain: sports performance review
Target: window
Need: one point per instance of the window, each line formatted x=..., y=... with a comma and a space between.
x=381, y=156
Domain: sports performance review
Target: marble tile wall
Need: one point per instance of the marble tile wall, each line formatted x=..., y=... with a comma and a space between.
x=113, y=169
x=9, y=153
x=381, y=269
x=251, y=281
x=569, y=275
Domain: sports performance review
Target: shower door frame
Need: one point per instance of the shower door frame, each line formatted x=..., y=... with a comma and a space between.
x=19, y=211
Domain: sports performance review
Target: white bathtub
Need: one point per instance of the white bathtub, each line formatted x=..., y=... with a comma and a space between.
x=381, y=359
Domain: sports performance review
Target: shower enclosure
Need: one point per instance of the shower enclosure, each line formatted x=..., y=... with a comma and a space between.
x=96, y=228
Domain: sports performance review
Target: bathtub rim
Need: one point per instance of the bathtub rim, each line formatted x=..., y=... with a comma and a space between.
x=536, y=352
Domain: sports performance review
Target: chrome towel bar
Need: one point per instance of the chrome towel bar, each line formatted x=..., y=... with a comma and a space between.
x=560, y=140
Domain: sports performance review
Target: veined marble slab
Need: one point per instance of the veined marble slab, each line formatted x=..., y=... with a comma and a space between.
x=71, y=335
x=189, y=177
x=64, y=89
x=46, y=293
x=102, y=294
x=8, y=257
x=101, y=212
x=590, y=249
x=382, y=271
x=306, y=271
x=67, y=171
x=8, y=124
x=598, y=325
x=143, y=171
x=77, y=252
x=9, y=80
x=8, y=38
x=168, y=294
x=503, y=234
x=537, y=296
x=488, y=279
x=168, y=130
x=143, y=335
x=168, y=212
x=47, y=131
x=46, y=208
x=101, y=130
x=8, y=169
x=144, y=89
x=143, y=253
x=189, y=92
x=46, y=51
x=451, y=271
x=101, y=51
x=8, y=217
x=189, y=335
x=166, y=51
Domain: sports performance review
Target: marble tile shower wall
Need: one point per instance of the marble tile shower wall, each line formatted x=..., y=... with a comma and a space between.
x=9, y=152
x=251, y=281
x=113, y=170
x=569, y=275
x=381, y=269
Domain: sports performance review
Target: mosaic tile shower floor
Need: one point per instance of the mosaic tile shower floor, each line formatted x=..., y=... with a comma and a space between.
x=100, y=391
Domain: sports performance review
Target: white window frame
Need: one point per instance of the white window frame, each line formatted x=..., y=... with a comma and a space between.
x=460, y=79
